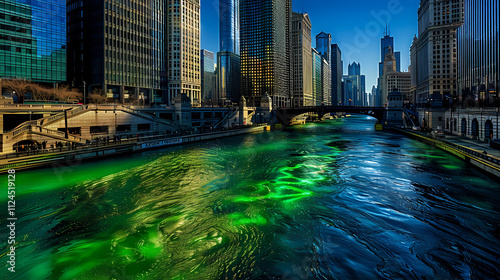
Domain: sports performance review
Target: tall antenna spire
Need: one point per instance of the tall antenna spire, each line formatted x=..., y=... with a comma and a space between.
x=385, y=31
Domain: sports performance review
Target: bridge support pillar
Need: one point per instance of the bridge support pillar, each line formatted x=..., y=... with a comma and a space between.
x=183, y=111
x=122, y=94
x=243, y=111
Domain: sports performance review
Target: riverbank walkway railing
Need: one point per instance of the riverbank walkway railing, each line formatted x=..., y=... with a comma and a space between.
x=98, y=142
x=489, y=155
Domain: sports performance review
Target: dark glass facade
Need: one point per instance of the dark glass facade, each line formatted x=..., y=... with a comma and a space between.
x=33, y=40
x=229, y=76
x=478, y=53
x=337, y=73
x=119, y=47
x=229, y=26
x=228, y=59
x=265, y=50
x=317, y=86
x=207, y=59
x=354, y=69
x=324, y=45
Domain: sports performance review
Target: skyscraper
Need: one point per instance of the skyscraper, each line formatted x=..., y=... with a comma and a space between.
x=478, y=54
x=301, y=60
x=265, y=50
x=317, y=61
x=229, y=26
x=183, y=33
x=326, y=82
x=354, y=69
x=207, y=76
x=118, y=48
x=337, y=73
x=389, y=67
x=33, y=41
x=385, y=42
x=352, y=90
x=324, y=45
x=435, y=52
x=228, y=59
x=359, y=97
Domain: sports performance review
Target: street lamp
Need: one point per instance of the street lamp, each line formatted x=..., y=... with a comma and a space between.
x=212, y=114
x=84, y=93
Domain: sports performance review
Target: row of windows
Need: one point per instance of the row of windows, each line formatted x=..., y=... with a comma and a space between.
x=15, y=39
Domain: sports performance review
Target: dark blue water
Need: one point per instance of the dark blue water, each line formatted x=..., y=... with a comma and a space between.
x=334, y=200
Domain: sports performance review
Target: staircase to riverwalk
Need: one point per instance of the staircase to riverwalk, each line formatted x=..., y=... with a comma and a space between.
x=38, y=126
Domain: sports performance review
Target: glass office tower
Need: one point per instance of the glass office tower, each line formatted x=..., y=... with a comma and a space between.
x=207, y=59
x=265, y=50
x=478, y=53
x=324, y=45
x=229, y=25
x=354, y=69
x=337, y=73
x=118, y=47
x=317, y=61
x=228, y=59
x=33, y=40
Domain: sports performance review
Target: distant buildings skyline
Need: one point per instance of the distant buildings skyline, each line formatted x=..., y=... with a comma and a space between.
x=156, y=66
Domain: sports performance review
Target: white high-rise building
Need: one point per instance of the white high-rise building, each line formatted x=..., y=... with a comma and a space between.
x=183, y=47
x=301, y=58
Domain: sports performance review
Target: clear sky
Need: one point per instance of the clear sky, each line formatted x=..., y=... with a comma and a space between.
x=357, y=26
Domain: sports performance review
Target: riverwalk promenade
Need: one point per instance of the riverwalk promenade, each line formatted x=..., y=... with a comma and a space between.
x=474, y=152
x=69, y=155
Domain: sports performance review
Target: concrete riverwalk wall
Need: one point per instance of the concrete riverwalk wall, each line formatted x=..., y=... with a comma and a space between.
x=478, y=159
x=71, y=158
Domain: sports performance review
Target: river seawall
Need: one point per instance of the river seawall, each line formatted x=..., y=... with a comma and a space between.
x=478, y=159
x=68, y=158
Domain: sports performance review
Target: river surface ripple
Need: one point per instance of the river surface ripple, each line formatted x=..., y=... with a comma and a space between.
x=334, y=200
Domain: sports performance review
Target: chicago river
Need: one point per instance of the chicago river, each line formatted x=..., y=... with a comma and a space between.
x=331, y=200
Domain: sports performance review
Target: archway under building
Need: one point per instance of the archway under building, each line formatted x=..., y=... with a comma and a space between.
x=26, y=146
x=488, y=130
x=464, y=127
x=475, y=128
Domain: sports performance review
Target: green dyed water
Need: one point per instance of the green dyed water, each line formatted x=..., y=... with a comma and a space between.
x=335, y=200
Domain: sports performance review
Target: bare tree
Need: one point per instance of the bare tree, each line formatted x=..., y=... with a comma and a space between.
x=97, y=96
x=40, y=92
x=18, y=87
x=66, y=93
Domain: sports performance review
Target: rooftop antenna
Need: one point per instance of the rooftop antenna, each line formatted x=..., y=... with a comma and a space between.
x=385, y=31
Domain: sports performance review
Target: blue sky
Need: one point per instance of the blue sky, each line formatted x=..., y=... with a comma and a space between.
x=356, y=26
